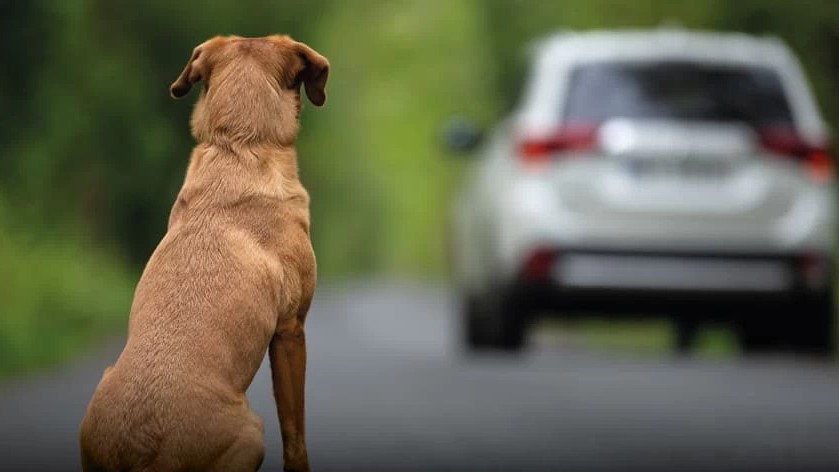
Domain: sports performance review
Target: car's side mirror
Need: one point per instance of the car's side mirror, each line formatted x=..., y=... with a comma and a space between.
x=461, y=135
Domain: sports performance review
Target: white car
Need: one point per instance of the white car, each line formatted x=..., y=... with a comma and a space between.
x=646, y=173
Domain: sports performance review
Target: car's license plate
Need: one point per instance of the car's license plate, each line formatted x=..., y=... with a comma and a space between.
x=686, y=168
x=671, y=273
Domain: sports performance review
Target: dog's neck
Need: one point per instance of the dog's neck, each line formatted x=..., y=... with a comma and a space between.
x=245, y=142
x=219, y=179
x=243, y=109
x=221, y=175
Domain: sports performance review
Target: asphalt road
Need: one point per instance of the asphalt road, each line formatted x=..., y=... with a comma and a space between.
x=390, y=391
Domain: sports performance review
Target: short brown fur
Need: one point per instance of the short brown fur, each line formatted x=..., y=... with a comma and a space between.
x=233, y=277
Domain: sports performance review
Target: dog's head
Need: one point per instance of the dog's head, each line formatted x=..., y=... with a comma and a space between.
x=251, y=88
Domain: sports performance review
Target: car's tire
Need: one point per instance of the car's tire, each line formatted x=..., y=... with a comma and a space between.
x=807, y=327
x=492, y=323
x=475, y=329
x=814, y=332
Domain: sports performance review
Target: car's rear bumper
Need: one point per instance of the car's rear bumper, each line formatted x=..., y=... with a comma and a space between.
x=707, y=285
x=533, y=214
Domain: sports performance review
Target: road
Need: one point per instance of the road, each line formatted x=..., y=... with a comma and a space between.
x=389, y=390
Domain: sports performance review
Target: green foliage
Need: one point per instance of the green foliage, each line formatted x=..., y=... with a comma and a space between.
x=392, y=87
x=57, y=295
x=811, y=28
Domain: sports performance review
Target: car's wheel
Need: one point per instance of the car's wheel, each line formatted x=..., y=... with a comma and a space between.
x=814, y=332
x=492, y=323
x=475, y=328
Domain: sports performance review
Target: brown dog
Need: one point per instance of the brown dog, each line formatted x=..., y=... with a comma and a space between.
x=232, y=278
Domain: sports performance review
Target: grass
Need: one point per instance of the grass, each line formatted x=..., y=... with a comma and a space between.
x=636, y=337
x=56, y=297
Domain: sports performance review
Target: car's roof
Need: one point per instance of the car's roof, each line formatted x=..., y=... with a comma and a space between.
x=661, y=43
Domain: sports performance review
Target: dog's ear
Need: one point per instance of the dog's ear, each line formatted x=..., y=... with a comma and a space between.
x=196, y=69
x=313, y=75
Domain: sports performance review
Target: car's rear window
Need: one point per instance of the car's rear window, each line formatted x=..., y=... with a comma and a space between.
x=678, y=91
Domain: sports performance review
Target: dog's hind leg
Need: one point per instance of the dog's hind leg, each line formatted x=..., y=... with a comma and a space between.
x=246, y=453
x=288, y=369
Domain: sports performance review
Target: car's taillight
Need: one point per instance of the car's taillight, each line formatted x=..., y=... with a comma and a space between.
x=571, y=137
x=815, y=269
x=786, y=142
x=538, y=265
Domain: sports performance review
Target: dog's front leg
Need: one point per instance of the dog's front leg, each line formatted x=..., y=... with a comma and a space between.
x=288, y=370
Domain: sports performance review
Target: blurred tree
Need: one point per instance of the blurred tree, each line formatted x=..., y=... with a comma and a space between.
x=24, y=30
x=394, y=85
x=99, y=133
x=810, y=27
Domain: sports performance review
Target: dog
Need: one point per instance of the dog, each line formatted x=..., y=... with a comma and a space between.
x=232, y=278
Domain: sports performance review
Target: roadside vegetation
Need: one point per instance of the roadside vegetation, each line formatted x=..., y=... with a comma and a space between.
x=57, y=296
